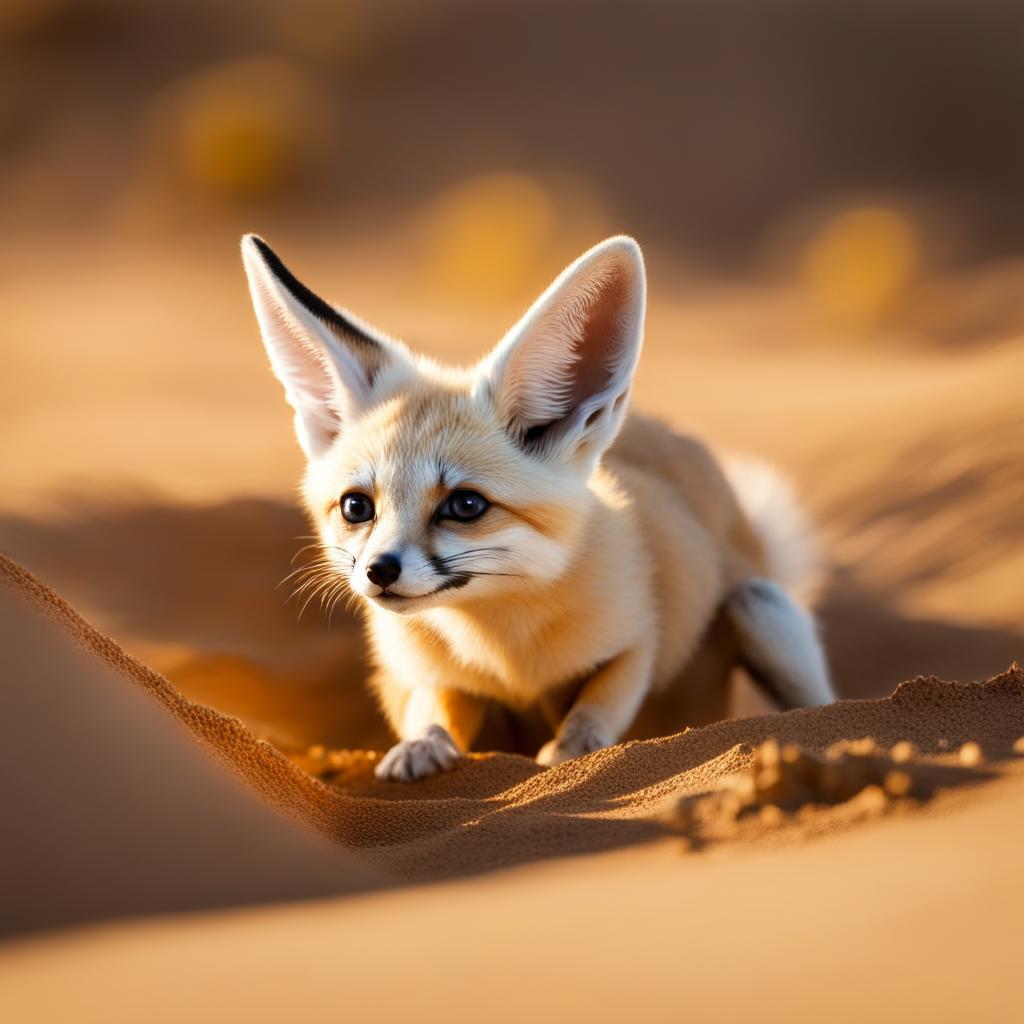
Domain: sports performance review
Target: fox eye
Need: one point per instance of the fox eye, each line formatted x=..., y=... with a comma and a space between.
x=356, y=507
x=463, y=506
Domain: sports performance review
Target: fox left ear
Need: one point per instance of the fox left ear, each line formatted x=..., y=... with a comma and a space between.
x=560, y=379
x=333, y=367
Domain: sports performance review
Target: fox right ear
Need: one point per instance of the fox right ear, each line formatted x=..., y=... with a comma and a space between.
x=561, y=377
x=332, y=366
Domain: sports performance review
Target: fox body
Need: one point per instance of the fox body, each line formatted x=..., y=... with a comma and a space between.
x=510, y=538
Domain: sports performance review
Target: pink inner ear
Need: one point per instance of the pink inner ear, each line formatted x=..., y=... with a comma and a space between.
x=601, y=340
x=571, y=358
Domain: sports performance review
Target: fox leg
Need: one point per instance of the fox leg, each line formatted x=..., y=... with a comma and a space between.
x=436, y=726
x=779, y=645
x=604, y=708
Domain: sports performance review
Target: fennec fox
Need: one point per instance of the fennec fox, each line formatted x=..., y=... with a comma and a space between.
x=504, y=543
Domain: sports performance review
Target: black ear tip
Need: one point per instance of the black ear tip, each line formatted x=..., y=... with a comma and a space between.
x=253, y=245
x=327, y=314
x=253, y=241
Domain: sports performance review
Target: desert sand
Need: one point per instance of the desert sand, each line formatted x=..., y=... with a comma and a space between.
x=144, y=802
x=191, y=830
x=150, y=474
x=161, y=446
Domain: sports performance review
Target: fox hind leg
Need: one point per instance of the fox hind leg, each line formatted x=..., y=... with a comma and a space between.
x=779, y=645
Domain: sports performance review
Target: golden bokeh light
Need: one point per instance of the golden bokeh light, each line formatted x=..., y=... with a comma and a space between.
x=231, y=147
x=240, y=130
x=860, y=264
x=485, y=238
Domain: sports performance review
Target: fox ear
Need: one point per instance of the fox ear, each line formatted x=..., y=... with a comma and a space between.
x=561, y=377
x=332, y=366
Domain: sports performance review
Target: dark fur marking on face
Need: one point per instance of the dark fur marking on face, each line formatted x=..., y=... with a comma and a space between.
x=437, y=564
x=456, y=577
x=324, y=312
x=453, y=578
x=459, y=579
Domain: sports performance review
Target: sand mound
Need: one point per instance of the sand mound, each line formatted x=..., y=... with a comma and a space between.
x=787, y=787
x=498, y=810
x=124, y=799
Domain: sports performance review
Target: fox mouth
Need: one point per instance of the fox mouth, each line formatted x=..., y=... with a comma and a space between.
x=454, y=582
x=390, y=597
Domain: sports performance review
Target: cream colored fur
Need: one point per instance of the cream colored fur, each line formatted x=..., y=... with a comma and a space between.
x=603, y=555
x=791, y=548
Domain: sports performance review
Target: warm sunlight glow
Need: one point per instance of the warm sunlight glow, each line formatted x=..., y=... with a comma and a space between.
x=484, y=237
x=511, y=509
x=859, y=265
x=241, y=129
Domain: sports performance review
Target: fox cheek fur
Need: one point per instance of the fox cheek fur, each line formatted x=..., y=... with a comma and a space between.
x=508, y=535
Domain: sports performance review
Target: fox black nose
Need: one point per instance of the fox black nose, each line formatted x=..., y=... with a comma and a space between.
x=384, y=570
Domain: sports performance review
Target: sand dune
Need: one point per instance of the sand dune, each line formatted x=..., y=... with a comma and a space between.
x=160, y=861
x=613, y=797
x=168, y=776
x=909, y=457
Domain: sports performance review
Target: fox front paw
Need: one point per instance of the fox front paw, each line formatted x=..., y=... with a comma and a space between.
x=433, y=752
x=575, y=738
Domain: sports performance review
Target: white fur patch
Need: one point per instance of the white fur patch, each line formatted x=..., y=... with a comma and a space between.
x=577, y=735
x=779, y=642
x=771, y=506
x=433, y=752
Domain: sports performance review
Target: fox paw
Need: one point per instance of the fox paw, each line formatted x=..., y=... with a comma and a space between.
x=433, y=752
x=575, y=738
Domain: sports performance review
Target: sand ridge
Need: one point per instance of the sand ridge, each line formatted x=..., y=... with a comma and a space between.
x=842, y=914
x=498, y=810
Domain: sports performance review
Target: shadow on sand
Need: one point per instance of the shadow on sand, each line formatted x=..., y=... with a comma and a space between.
x=194, y=591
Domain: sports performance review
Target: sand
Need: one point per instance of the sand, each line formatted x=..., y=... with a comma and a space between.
x=158, y=803
x=149, y=481
x=162, y=447
x=189, y=829
x=915, y=918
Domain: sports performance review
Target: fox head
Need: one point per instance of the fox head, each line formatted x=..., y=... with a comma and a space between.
x=430, y=485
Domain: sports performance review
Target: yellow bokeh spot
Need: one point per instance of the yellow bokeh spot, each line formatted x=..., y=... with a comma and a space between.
x=860, y=264
x=486, y=237
x=232, y=148
x=241, y=129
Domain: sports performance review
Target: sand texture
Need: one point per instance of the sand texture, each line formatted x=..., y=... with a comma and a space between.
x=190, y=829
x=165, y=513
x=743, y=891
x=498, y=810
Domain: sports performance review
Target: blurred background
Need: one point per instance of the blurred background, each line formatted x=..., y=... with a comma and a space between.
x=829, y=195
